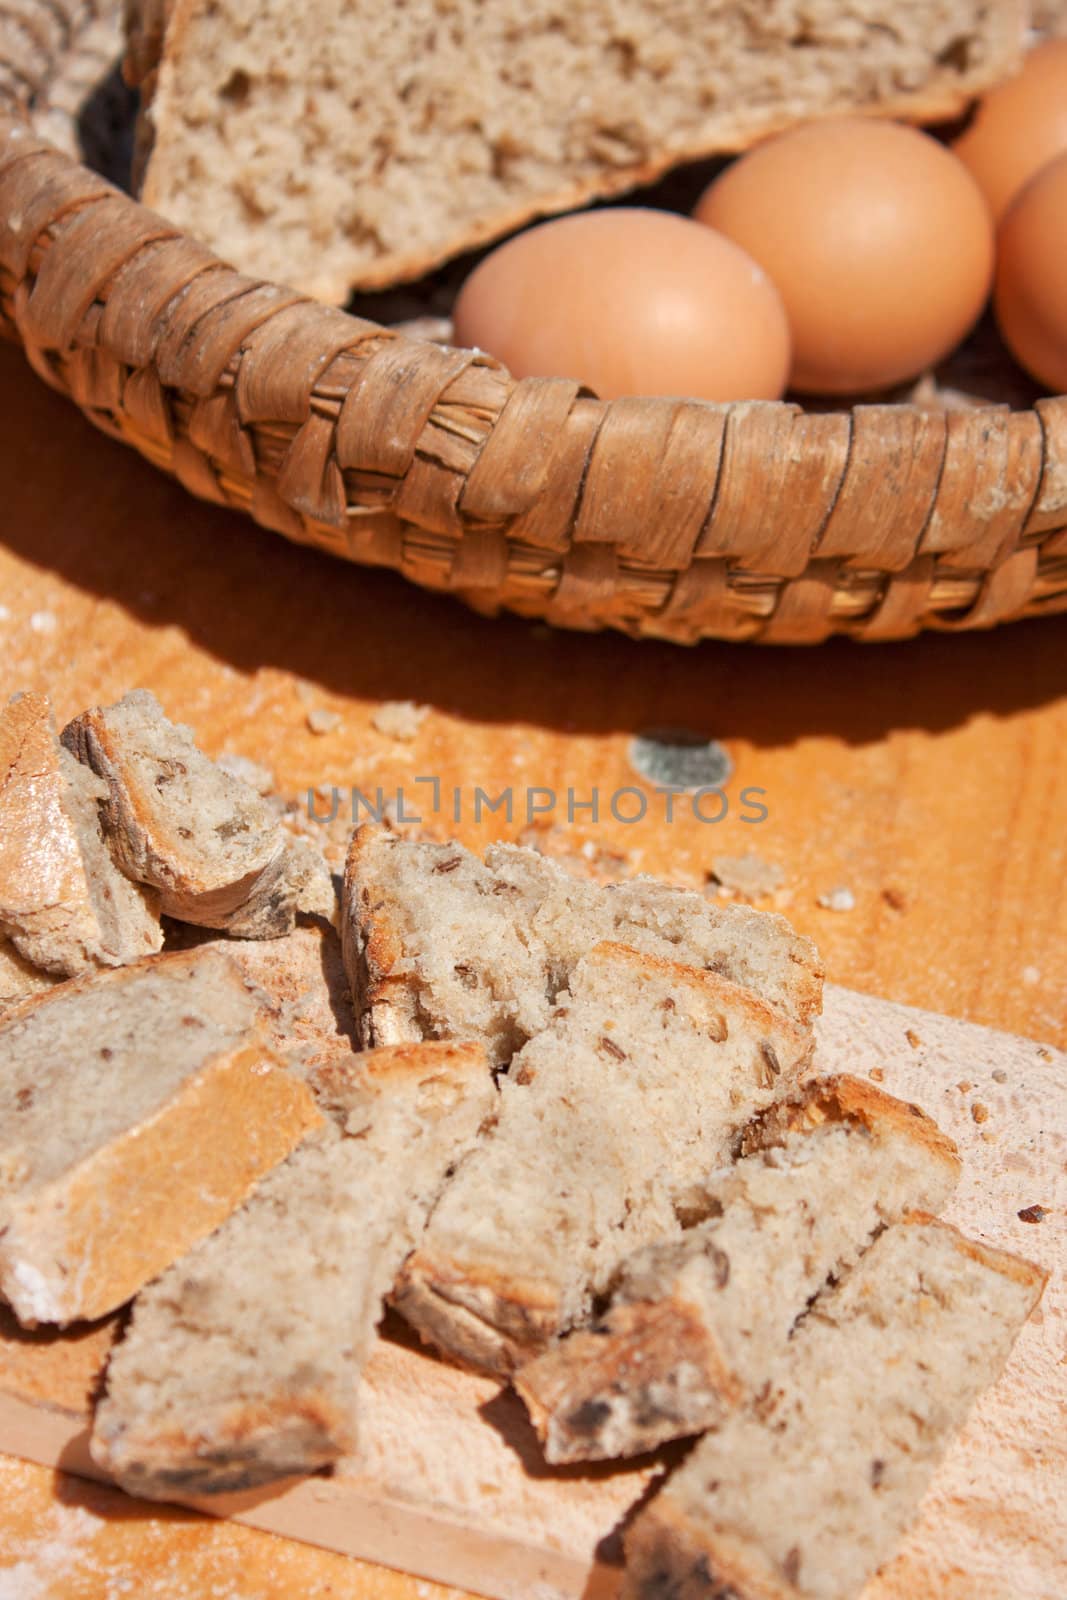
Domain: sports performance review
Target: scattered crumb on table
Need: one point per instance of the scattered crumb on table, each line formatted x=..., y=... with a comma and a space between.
x=749, y=877
x=321, y=720
x=839, y=899
x=399, y=719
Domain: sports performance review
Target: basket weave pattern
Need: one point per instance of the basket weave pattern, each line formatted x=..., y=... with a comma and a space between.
x=666, y=518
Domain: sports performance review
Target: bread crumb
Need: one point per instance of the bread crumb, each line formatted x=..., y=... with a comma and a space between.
x=839, y=899
x=43, y=621
x=320, y=720
x=895, y=897
x=1032, y=1214
x=748, y=876
x=399, y=719
x=913, y=1038
x=877, y=1074
x=979, y=1112
x=1031, y=976
x=964, y=1085
x=999, y=1075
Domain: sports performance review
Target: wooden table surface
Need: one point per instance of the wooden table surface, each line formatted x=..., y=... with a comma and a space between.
x=928, y=779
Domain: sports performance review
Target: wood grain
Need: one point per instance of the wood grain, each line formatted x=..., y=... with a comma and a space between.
x=930, y=778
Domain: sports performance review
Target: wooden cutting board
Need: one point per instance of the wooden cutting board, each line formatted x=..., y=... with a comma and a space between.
x=450, y=1483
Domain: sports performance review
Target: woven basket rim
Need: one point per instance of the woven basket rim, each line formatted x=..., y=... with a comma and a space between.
x=666, y=518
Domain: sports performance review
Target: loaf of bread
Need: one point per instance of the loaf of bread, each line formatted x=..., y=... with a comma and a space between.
x=64, y=906
x=241, y=1363
x=138, y=1107
x=437, y=943
x=695, y=1323
x=203, y=839
x=610, y=1121
x=334, y=145
x=804, y=1493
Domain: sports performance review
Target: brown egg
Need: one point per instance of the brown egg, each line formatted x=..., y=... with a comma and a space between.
x=1031, y=289
x=631, y=302
x=878, y=239
x=1018, y=127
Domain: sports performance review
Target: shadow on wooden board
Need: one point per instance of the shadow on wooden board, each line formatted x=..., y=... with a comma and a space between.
x=89, y=509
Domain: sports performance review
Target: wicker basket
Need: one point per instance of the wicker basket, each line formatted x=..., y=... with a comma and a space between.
x=672, y=519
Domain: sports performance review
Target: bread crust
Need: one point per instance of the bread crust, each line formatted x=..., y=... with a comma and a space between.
x=371, y=947
x=845, y=1098
x=489, y=1320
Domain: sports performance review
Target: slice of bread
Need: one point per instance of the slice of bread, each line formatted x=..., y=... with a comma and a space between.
x=204, y=839
x=137, y=1108
x=241, y=1363
x=438, y=944
x=695, y=1322
x=807, y=1491
x=758, y=949
x=610, y=1122
x=341, y=144
x=64, y=906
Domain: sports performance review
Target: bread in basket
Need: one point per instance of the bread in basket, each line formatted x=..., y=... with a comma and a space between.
x=665, y=518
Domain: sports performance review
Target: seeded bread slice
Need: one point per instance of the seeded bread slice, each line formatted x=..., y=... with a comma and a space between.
x=335, y=143
x=204, y=839
x=611, y=1121
x=64, y=906
x=695, y=1321
x=440, y=944
x=137, y=1108
x=241, y=1363
x=758, y=949
x=802, y=1495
